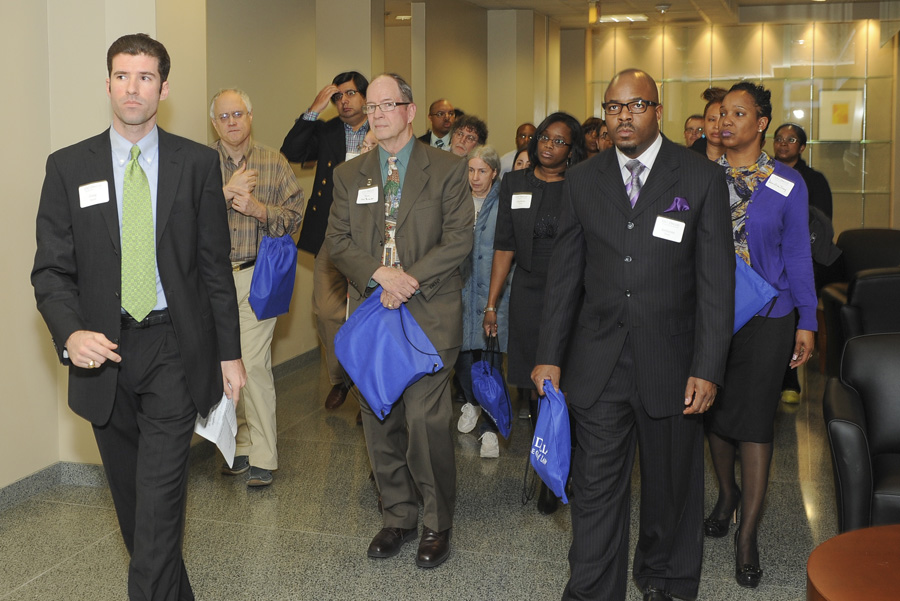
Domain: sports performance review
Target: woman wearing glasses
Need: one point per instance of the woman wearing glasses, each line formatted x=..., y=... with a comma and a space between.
x=771, y=234
x=789, y=144
x=526, y=226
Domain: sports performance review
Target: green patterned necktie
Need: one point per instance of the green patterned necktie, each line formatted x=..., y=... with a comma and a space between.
x=138, y=244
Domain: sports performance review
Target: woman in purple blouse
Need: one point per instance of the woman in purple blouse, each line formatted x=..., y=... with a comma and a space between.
x=771, y=234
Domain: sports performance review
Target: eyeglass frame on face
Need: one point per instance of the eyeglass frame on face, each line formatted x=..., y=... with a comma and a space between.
x=338, y=95
x=386, y=107
x=461, y=133
x=610, y=107
x=236, y=115
x=791, y=140
x=699, y=130
x=555, y=142
x=528, y=137
x=442, y=114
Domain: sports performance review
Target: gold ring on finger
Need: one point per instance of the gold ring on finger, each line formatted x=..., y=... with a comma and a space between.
x=92, y=365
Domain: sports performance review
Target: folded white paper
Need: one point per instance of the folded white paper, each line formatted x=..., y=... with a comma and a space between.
x=220, y=427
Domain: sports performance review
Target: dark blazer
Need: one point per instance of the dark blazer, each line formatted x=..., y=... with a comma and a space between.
x=517, y=225
x=77, y=268
x=674, y=301
x=426, y=137
x=324, y=142
x=434, y=234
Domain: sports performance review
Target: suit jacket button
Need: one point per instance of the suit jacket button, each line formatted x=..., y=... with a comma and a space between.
x=320, y=193
x=324, y=181
x=630, y=225
x=329, y=163
x=628, y=293
x=628, y=259
x=620, y=324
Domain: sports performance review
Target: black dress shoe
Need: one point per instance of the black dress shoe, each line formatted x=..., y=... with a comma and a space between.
x=434, y=548
x=336, y=397
x=747, y=575
x=654, y=594
x=547, y=502
x=389, y=541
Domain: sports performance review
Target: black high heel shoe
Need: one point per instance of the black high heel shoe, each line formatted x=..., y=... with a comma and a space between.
x=747, y=575
x=719, y=528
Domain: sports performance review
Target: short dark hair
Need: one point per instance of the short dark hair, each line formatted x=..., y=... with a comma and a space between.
x=712, y=96
x=140, y=43
x=579, y=152
x=591, y=124
x=762, y=99
x=475, y=124
x=359, y=81
x=801, y=134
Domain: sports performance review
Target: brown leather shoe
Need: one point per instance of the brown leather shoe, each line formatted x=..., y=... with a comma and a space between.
x=434, y=548
x=336, y=397
x=389, y=541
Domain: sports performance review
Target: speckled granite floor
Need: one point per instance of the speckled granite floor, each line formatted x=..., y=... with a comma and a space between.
x=305, y=537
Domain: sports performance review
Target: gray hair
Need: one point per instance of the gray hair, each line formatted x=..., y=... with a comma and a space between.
x=486, y=154
x=405, y=90
x=238, y=91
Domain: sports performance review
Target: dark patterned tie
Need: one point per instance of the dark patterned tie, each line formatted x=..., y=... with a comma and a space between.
x=633, y=187
x=439, y=143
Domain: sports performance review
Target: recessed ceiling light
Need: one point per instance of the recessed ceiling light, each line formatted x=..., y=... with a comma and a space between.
x=404, y=17
x=622, y=18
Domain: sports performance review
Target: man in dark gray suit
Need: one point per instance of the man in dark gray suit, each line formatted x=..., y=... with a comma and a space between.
x=645, y=231
x=133, y=279
x=403, y=219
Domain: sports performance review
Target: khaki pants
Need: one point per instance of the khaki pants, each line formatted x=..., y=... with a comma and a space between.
x=329, y=303
x=257, y=434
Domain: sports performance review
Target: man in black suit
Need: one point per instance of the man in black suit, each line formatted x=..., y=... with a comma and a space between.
x=441, y=115
x=148, y=347
x=330, y=144
x=645, y=232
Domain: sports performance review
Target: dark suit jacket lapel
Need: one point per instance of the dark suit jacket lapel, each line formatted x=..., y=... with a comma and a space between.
x=170, y=168
x=370, y=170
x=661, y=178
x=99, y=168
x=610, y=182
x=413, y=182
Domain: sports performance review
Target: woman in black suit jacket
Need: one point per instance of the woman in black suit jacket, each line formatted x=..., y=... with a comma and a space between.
x=526, y=227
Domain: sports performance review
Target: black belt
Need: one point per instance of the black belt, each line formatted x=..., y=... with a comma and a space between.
x=244, y=265
x=154, y=318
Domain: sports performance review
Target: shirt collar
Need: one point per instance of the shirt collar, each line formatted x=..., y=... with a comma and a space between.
x=647, y=158
x=121, y=148
x=402, y=156
x=226, y=158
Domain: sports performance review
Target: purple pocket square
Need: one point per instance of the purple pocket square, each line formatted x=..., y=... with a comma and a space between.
x=679, y=204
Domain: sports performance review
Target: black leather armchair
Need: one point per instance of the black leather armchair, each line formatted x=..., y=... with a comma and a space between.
x=861, y=250
x=862, y=420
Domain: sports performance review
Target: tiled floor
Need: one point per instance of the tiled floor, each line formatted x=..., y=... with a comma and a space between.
x=305, y=537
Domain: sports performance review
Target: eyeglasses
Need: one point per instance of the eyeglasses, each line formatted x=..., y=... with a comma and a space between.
x=386, y=107
x=464, y=136
x=338, y=95
x=635, y=107
x=558, y=142
x=442, y=114
x=525, y=137
x=693, y=130
x=238, y=115
x=780, y=140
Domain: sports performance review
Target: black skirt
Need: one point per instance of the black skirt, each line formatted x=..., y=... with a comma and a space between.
x=744, y=409
x=526, y=302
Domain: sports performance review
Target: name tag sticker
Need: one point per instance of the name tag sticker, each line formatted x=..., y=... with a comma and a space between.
x=367, y=196
x=521, y=200
x=779, y=184
x=92, y=194
x=668, y=229
x=350, y=156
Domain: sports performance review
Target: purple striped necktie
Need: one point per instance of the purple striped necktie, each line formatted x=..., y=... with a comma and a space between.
x=633, y=187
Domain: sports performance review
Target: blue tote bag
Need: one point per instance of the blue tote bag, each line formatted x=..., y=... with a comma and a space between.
x=551, y=448
x=751, y=293
x=490, y=389
x=273, y=277
x=384, y=351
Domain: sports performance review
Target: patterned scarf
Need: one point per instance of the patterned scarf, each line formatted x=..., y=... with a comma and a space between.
x=742, y=182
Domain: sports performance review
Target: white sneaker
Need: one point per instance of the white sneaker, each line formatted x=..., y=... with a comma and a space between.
x=469, y=417
x=490, y=446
